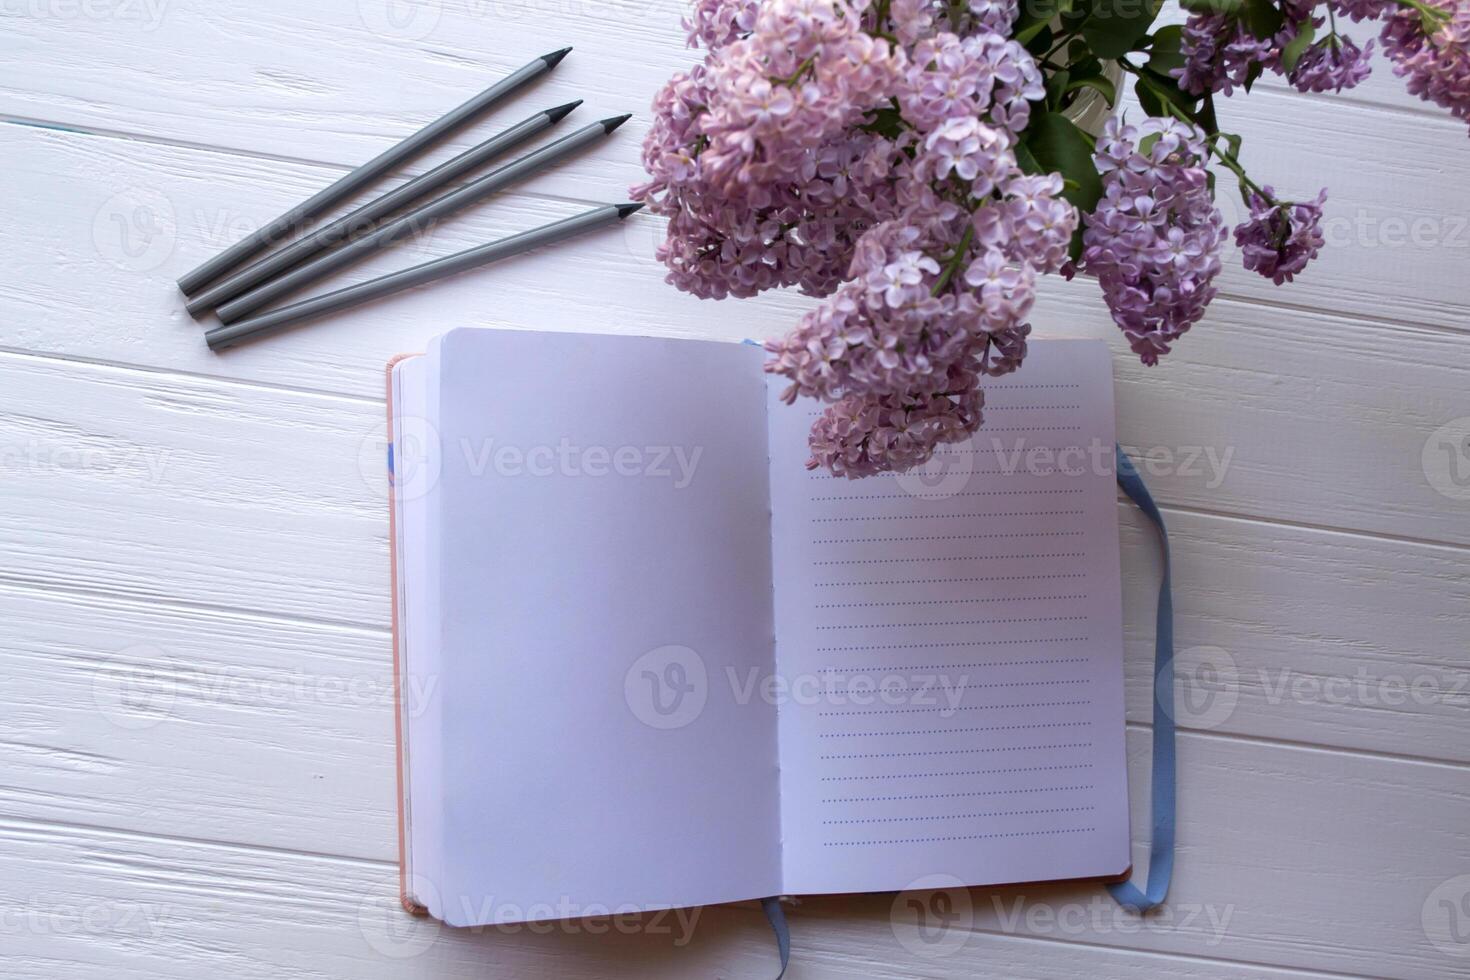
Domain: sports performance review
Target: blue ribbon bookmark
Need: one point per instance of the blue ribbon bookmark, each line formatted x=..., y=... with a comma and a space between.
x=777, y=917
x=1161, y=850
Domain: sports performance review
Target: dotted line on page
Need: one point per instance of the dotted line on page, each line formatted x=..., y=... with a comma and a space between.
x=890, y=561
x=943, y=581
x=932, y=517
x=963, y=816
x=958, y=643
x=993, y=663
x=954, y=796
x=949, y=622
x=958, y=731
x=961, y=772
x=1010, y=748
x=935, y=840
x=948, y=537
x=962, y=493
x=945, y=602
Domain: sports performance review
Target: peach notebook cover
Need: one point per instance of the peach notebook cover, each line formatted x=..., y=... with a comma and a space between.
x=408, y=903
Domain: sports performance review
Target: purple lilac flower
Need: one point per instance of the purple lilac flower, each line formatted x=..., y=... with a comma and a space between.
x=1218, y=51
x=980, y=75
x=1331, y=65
x=1359, y=10
x=1280, y=239
x=1437, y=64
x=865, y=434
x=911, y=19
x=713, y=23
x=996, y=16
x=1154, y=240
x=936, y=296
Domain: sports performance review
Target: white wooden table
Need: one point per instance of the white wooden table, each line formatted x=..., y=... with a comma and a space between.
x=196, y=763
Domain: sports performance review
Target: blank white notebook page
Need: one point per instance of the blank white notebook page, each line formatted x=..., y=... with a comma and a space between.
x=603, y=549
x=949, y=645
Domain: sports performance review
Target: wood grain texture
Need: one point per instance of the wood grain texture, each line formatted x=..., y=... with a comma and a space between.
x=170, y=909
x=236, y=82
x=197, y=757
x=1266, y=392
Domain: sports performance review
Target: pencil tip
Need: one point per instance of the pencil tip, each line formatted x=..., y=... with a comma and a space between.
x=553, y=59
x=626, y=209
x=560, y=111
x=608, y=125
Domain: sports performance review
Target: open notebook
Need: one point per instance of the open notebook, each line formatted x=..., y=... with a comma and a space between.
x=648, y=660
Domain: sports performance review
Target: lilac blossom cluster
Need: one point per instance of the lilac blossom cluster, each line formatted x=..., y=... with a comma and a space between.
x=1280, y=238
x=881, y=155
x=1428, y=41
x=1432, y=52
x=926, y=235
x=1154, y=240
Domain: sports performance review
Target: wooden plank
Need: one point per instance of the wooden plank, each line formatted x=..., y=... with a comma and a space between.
x=300, y=77
x=130, y=714
x=1264, y=833
x=113, y=906
x=1310, y=416
x=126, y=713
x=156, y=486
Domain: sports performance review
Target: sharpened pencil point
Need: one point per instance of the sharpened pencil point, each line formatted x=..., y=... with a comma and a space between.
x=608, y=125
x=553, y=59
x=560, y=111
x=626, y=209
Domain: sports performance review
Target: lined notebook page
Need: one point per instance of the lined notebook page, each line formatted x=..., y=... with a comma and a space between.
x=949, y=647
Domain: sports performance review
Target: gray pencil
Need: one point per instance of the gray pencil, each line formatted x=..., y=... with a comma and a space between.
x=365, y=174
x=416, y=221
x=362, y=219
x=228, y=336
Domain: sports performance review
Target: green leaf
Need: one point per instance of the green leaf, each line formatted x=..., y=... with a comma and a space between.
x=1292, y=53
x=1231, y=7
x=886, y=122
x=1026, y=34
x=1056, y=86
x=1164, y=54
x=1035, y=16
x=1040, y=42
x=1253, y=73
x=1263, y=18
x=1116, y=26
x=1153, y=89
x=1058, y=146
x=1101, y=85
x=1027, y=162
